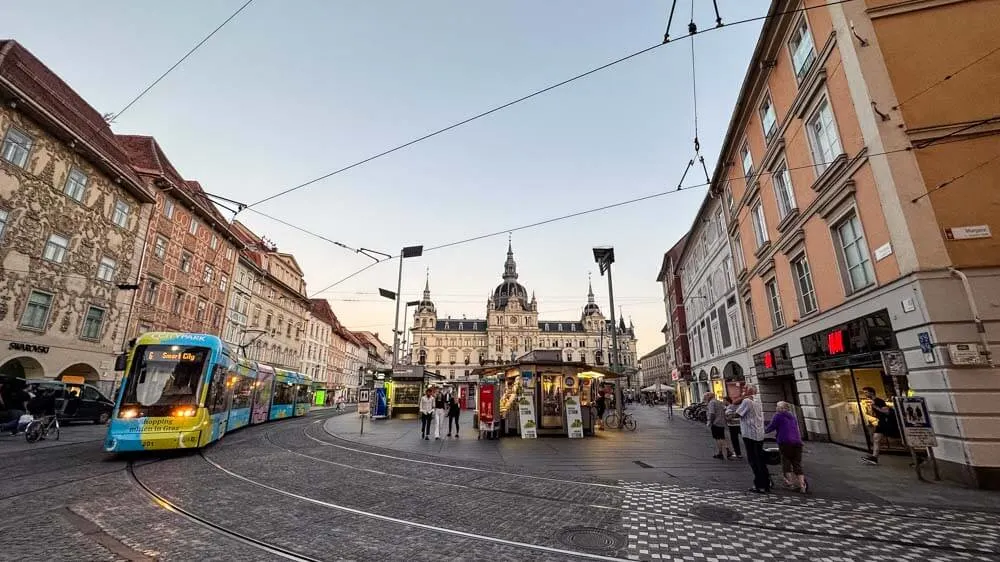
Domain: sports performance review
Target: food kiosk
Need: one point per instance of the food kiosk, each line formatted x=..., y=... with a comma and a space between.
x=404, y=388
x=559, y=396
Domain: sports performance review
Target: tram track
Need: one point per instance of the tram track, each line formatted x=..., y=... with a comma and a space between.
x=939, y=545
x=895, y=510
x=172, y=507
x=695, y=498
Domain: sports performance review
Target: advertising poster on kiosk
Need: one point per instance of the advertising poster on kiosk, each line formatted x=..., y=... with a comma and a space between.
x=379, y=403
x=574, y=419
x=526, y=417
x=486, y=413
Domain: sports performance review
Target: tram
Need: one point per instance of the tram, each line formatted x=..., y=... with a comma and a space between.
x=185, y=390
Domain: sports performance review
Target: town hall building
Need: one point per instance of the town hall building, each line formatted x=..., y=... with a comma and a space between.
x=511, y=328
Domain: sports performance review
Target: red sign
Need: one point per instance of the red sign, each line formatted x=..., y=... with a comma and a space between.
x=835, y=342
x=768, y=360
x=486, y=403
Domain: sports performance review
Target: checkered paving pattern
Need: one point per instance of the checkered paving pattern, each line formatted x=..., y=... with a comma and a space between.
x=660, y=526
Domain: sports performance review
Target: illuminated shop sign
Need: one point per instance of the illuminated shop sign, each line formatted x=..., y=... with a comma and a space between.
x=172, y=356
x=855, y=343
x=774, y=362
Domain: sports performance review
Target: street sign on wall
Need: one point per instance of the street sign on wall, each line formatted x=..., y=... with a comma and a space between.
x=917, y=427
x=894, y=363
x=364, y=395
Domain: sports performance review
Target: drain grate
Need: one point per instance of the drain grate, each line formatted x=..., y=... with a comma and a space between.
x=591, y=538
x=715, y=514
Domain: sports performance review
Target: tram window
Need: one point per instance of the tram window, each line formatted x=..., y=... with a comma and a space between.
x=165, y=375
x=216, y=401
x=302, y=394
x=284, y=393
x=242, y=392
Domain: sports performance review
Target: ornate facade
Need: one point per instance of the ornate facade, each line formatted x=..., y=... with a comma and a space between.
x=511, y=328
x=190, y=250
x=72, y=219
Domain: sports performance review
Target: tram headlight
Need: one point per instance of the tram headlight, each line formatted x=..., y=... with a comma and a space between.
x=128, y=413
x=185, y=412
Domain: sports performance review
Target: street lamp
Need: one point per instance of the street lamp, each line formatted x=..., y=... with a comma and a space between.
x=406, y=313
x=408, y=252
x=605, y=256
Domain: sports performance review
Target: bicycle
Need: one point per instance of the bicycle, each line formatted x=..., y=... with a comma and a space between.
x=42, y=428
x=611, y=420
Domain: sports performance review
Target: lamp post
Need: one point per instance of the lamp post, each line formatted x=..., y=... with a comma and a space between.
x=605, y=256
x=406, y=312
x=408, y=252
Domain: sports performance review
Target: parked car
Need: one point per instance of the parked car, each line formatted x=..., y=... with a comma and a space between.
x=78, y=402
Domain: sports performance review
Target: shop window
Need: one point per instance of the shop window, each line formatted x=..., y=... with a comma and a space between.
x=804, y=286
x=774, y=304
x=853, y=254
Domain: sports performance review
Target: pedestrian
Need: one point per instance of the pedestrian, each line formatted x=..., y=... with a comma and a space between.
x=883, y=418
x=670, y=405
x=426, y=413
x=752, y=428
x=601, y=404
x=716, y=422
x=440, y=406
x=453, y=412
x=786, y=429
x=15, y=401
x=733, y=421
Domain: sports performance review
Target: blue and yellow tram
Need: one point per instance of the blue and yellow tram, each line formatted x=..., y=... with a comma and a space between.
x=187, y=390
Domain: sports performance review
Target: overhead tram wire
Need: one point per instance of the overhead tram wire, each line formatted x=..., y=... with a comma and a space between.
x=111, y=117
x=528, y=97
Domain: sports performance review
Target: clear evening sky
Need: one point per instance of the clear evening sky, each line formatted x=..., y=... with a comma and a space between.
x=292, y=89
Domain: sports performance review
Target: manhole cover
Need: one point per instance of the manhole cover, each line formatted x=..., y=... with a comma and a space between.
x=716, y=514
x=591, y=538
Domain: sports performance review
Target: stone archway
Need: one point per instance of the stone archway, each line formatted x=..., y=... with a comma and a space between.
x=88, y=372
x=22, y=368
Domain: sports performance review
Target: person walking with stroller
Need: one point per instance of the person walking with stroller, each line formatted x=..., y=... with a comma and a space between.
x=786, y=429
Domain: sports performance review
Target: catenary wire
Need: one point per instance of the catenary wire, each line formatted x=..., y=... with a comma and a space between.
x=951, y=75
x=620, y=204
x=180, y=61
x=946, y=183
x=527, y=97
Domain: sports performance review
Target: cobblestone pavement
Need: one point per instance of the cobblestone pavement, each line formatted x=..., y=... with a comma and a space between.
x=311, y=495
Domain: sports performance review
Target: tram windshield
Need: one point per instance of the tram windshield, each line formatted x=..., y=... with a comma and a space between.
x=166, y=375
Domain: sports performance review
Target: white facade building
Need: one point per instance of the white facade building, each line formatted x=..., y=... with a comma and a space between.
x=719, y=362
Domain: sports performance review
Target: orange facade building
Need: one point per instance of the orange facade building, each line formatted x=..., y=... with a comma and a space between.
x=861, y=180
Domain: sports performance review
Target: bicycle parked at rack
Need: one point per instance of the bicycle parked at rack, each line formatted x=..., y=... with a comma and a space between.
x=697, y=411
x=611, y=420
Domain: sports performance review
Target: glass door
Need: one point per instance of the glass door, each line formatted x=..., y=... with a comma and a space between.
x=552, y=402
x=844, y=417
